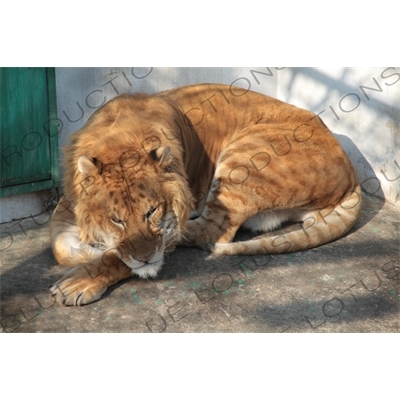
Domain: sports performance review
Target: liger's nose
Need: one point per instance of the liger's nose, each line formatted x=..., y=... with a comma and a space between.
x=145, y=259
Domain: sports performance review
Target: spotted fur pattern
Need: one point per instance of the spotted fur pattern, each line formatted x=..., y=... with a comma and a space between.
x=225, y=156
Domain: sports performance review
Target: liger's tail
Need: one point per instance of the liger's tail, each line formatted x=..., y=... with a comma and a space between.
x=320, y=227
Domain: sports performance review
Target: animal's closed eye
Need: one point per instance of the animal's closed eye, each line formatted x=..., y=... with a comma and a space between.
x=117, y=221
x=151, y=212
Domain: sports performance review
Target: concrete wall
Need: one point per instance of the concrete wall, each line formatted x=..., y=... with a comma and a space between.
x=366, y=121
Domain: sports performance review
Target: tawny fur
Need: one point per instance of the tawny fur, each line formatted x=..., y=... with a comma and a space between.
x=143, y=163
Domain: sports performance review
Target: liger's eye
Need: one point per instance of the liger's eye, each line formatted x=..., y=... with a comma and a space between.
x=151, y=212
x=117, y=221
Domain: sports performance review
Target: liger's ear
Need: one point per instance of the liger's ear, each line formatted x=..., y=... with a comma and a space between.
x=87, y=167
x=163, y=156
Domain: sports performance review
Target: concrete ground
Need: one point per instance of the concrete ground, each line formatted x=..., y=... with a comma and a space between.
x=351, y=285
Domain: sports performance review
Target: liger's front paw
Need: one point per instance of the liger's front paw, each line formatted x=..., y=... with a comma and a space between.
x=78, y=287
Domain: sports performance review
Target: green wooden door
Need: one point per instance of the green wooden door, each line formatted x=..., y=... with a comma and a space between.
x=28, y=130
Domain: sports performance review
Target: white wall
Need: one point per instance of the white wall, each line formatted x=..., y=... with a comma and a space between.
x=366, y=122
